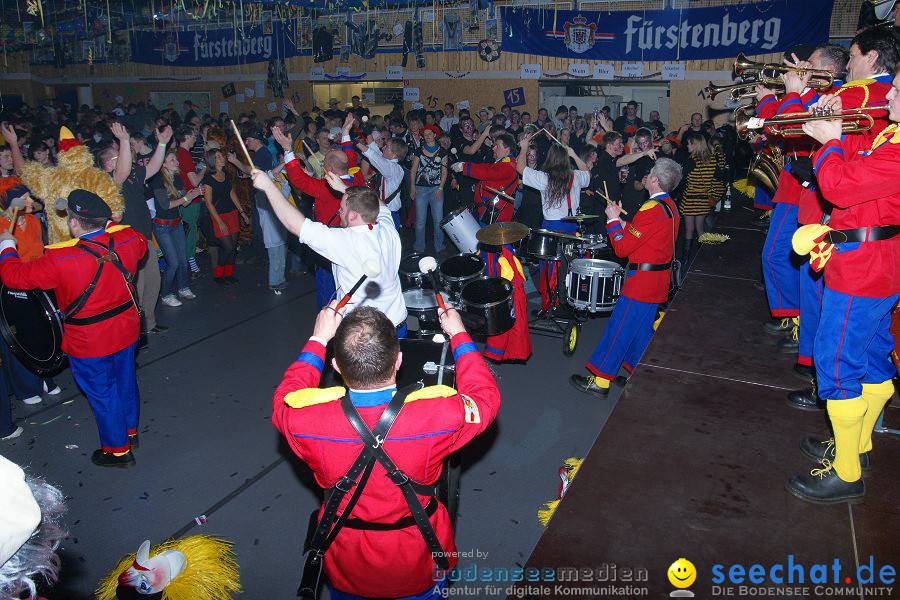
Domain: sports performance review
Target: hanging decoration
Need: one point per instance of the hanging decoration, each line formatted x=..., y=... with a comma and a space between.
x=277, y=77
x=488, y=50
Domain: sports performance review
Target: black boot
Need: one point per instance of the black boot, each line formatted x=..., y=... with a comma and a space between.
x=805, y=399
x=778, y=326
x=587, y=385
x=105, y=459
x=804, y=372
x=789, y=344
x=823, y=486
x=819, y=450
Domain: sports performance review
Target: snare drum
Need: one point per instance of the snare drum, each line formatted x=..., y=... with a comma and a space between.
x=456, y=271
x=489, y=302
x=30, y=324
x=410, y=275
x=594, y=285
x=423, y=305
x=544, y=244
x=461, y=227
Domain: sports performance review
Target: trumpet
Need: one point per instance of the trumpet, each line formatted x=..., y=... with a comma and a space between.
x=789, y=125
x=769, y=74
x=737, y=91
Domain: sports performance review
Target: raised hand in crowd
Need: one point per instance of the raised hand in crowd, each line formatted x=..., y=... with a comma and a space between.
x=285, y=140
x=336, y=183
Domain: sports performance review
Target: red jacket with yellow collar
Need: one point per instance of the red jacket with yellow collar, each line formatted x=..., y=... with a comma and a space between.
x=68, y=269
x=649, y=238
x=434, y=422
x=501, y=176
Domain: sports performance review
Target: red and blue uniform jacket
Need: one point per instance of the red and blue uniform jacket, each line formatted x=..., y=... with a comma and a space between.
x=649, y=238
x=328, y=201
x=501, y=176
x=434, y=422
x=68, y=269
x=863, y=186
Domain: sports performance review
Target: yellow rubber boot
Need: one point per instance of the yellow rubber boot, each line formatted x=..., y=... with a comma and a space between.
x=847, y=421
x=876, y=396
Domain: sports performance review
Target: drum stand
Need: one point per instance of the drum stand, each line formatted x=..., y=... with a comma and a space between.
x=557, y=320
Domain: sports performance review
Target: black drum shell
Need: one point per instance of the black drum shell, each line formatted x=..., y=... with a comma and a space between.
x=458, y=270
x=410, y=275
x=419, y=304
x=543, y=244
x=490, y=299
x=30, y=325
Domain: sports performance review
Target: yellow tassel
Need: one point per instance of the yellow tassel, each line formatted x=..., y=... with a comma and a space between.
x=211, y=572
x=713, y=238
x=571, y=465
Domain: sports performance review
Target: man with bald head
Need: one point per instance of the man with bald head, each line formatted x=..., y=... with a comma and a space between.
x=327, y=204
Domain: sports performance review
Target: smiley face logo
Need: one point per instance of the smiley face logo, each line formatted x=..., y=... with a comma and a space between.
x=682, y=573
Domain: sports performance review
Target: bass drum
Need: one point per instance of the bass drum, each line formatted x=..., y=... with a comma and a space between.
x=489, y=304
x=30, y=324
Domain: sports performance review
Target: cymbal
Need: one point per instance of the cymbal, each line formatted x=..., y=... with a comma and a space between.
x=502, y=233
x=580, y=218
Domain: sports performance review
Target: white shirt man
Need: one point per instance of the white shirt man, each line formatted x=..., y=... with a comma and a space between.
x=388, y=165
x=365, y=236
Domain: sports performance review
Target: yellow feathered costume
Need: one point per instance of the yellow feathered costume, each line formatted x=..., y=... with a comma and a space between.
x=75, y=170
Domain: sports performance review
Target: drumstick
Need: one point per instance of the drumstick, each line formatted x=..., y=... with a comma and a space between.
x=372, y=270
x=428, y=265
x=16, y=205
x=608, y=201
x=241, y=142
x=552, y=137
x=499, y=193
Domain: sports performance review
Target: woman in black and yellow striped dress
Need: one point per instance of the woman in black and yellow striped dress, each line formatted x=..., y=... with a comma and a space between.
x=700, y=189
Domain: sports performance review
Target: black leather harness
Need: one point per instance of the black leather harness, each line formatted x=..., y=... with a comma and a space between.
x=111, y=257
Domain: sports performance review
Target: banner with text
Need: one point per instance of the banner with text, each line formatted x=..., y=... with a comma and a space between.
x=214, y=47
x=652, y=35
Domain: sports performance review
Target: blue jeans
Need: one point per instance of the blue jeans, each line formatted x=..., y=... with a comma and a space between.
x=277, y=255
x=429, y=197
x=171, y=240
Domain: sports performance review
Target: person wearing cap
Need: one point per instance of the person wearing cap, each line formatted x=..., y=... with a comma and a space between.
x=426, y=187
x=101, y=325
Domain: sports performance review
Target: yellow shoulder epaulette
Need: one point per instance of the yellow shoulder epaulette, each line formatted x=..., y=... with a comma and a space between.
x=311, y=396
x=432, y=391
x=648, y=205
x=353, y=171
x=858, y=83
x=73, y=241
x=506, y=159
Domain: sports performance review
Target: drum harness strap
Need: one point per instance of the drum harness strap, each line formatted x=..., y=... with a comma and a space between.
x=357, y=476
x=658, y=266
x=110, y=257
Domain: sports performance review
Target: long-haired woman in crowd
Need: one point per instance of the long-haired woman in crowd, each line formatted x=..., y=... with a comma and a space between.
x=224, y=211
x=169, y=232
x=560, y=188
x=702, y=188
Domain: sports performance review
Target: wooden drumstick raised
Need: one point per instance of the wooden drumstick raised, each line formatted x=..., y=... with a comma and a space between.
x=16, y=205
x=552, y=137
x=241, y=142
x=608, y=201
x=428, y=265
x=371, y=270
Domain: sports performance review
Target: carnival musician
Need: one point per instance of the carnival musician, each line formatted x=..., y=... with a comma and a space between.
x=859, y=250
x=500, y=175
x=649, y=243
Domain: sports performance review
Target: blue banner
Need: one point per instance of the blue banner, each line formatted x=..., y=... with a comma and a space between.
x=654, y=35
x=215, y=47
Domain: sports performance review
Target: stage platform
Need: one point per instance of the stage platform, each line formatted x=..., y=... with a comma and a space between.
x=693, y=460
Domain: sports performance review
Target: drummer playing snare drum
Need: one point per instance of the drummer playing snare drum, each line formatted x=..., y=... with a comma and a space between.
x=649, y=243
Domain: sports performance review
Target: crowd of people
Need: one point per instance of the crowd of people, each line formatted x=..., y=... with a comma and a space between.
x=332, y=191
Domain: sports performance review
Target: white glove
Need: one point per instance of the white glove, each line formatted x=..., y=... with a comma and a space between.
x=457, y=167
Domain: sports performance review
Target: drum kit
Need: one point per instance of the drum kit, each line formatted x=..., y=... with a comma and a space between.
x=485, y=303
x=587, y=284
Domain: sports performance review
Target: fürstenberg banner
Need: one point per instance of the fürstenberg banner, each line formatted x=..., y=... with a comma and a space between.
x=671, y=34
x=214, y=47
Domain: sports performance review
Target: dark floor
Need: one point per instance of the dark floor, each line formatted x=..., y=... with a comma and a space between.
x=208, y=446
x=693, y=461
